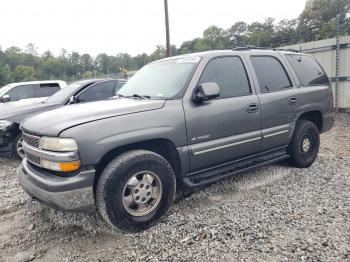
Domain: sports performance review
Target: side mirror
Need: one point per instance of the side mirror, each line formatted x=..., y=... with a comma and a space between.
x=205, y=92
x=72, y=100
x=5, y=98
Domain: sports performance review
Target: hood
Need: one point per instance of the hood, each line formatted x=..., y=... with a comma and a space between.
x=17, y=112
x=52, y=123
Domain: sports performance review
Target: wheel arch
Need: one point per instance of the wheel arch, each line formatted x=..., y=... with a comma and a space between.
x=163, y=147
x=314, y=116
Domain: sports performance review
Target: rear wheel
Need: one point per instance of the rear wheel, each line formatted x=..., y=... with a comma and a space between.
x=17, y=147
x=305, y=144
x=135, y=190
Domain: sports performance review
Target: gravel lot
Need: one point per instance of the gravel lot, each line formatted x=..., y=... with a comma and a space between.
x=276, y=213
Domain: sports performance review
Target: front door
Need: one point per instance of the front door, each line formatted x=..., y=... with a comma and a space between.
x=228, y=127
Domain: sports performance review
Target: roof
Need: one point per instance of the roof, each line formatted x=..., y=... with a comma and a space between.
x=38, y=82
x=213, y=53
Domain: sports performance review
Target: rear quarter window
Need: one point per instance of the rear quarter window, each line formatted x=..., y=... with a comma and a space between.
x=309, y=72
x=45, y=90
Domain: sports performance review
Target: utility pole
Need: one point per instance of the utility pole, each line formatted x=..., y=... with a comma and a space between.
x=337, y=64
x=167, y=28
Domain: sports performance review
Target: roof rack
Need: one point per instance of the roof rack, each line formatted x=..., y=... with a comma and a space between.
x=250, y=47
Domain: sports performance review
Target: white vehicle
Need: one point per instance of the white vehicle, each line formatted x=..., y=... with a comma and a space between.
x=30, y=92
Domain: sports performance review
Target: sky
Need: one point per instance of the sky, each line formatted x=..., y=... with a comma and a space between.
x=131, y=26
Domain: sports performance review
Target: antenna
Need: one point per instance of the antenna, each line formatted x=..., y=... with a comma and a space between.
x=299, y=60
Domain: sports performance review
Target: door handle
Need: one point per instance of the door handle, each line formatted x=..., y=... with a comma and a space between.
x=252, y=108
x=292, y=100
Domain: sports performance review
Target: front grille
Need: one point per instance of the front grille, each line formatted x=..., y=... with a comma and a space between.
x=31, y=140
x=33, y=159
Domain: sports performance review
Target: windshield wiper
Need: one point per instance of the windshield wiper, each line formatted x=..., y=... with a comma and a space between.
x=138, y=96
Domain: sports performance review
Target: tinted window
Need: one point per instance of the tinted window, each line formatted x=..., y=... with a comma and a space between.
x=21, y=92
x=308, y=70
x=64, y=94
x=270, y=73
x=120, y=84
x=47, y=89
x=98, y=91
x=229, y=74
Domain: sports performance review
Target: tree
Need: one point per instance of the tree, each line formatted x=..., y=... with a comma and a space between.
x=213, y=38
x=285, y=33
x=318, y=19
x=24, y=73
x=159, y=53
x=86, y=62
x=261, y=34
x=102, y=63
x=140, y=60
x=5, y=75
x=31, y=49
x=237, y=34
x=189, y=46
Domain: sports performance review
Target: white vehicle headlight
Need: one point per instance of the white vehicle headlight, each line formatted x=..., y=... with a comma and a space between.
x=58, y=144
x=4, y=124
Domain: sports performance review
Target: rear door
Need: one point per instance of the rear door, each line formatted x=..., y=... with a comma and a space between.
x=228, y=127
x=46, y=89
x=278, y=96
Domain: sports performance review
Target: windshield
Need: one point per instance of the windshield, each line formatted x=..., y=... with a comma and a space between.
x=160, y=80
x=64, y=94
x=4, y=89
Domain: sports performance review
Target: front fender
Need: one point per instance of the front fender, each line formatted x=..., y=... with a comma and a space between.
x=95, y=139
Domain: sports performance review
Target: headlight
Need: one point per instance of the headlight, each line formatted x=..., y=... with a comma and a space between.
x=58, y=144
x=4, y=124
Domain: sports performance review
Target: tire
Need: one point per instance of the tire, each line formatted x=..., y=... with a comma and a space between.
x=17, y=150
x=305, y=144
x=117, y=188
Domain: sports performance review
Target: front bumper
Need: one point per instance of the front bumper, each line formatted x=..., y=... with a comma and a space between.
x=73, y=193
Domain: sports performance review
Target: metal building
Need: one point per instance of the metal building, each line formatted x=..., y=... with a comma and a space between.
x=336, y=63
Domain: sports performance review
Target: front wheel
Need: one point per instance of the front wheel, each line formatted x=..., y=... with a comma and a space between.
x=305, y=144
x=17, y=147
x=135, y=190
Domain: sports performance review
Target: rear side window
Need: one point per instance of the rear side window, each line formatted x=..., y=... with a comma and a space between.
x=45, y=90
x=21, y=92
x=270, y=73
x=229, y=74
x=98, y=91
x=308, y=70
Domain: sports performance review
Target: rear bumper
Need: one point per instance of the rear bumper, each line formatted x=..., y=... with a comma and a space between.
x=64, y=193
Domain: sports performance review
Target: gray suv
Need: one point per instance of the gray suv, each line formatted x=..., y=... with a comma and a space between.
x=184, y=121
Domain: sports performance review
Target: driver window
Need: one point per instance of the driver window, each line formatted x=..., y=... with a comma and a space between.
x=229, y=73
x=98, y=91
x=21, y=92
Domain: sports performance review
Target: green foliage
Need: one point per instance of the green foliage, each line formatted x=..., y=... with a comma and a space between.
x=24, y=73
x=317, y=21
x=5, y=75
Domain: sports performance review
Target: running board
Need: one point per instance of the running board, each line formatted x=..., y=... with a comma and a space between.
x=214, y=174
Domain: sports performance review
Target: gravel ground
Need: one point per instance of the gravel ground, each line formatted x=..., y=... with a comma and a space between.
x=276, y=213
